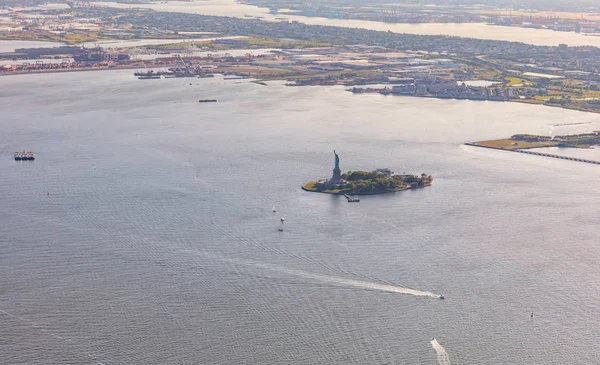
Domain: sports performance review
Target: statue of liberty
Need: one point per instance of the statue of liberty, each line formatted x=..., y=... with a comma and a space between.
x=337, y=160
x=337, y=173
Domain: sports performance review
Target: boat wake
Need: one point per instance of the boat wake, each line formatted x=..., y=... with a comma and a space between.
x=360, y=284
x=442, y=355
x=336, y=280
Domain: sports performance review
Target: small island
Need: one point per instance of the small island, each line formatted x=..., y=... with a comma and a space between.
x=380, y=181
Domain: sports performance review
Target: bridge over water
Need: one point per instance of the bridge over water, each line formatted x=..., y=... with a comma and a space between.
x=529, y=152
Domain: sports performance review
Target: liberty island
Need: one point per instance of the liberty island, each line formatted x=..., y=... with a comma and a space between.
x=379, y=181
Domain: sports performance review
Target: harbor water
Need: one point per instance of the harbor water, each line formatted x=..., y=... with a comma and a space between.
x=144, y=231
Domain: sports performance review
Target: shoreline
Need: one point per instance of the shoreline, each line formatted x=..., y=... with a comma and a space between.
x=275, y=78
x=558, y=106
x=520, y=101
x=342, y=192
x=52, y=71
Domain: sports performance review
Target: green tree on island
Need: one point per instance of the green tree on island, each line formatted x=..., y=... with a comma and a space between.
x=375, y=182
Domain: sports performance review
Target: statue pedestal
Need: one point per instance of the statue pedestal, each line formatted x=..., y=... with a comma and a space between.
x=337, y=176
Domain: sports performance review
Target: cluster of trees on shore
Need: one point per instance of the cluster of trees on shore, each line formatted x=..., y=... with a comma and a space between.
x=573, y=140
x=530, y=138
x=376, y=182
x=579, y=140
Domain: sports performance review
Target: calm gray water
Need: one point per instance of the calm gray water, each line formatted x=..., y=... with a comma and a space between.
x=157, y=243
x=10, y=46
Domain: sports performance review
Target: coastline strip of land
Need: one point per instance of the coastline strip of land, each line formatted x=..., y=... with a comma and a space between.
x=524, y=143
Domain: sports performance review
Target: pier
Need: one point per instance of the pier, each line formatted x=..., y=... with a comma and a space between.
x=528, y=152
x=351, y=199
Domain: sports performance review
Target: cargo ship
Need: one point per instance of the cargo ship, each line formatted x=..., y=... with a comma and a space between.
x=24, y=156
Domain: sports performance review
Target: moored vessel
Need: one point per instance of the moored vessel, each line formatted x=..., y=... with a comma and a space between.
x=24, y=156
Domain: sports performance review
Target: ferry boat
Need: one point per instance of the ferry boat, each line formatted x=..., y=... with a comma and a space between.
x=24, y=156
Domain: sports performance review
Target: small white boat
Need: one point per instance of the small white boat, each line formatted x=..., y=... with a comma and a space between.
x=280, y=229
x=282, y=219
x=274, y=210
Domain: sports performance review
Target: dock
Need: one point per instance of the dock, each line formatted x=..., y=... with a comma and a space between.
x=351, y=199
x=528, y=152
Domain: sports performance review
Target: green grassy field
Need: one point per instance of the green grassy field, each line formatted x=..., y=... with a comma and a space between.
x=509, y=144
x=512, y=81
x=311, y=186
